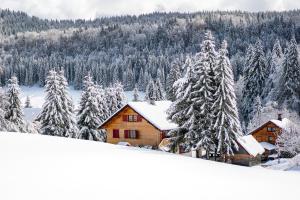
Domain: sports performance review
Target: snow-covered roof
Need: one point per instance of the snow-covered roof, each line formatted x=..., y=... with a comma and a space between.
x=250, y=144
x=268, y=146
x=285, y=123
x=156, y=114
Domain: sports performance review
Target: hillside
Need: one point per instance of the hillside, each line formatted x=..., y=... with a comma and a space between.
x=41, y=167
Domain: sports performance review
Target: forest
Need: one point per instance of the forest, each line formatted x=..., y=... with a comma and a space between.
x=133, y=50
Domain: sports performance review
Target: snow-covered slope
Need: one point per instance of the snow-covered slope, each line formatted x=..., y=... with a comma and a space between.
x=35, y=167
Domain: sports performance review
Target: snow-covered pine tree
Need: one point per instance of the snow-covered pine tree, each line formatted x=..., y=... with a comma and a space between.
x=135, y=93
x=159, y=90
x=226, y=124
x=275, y=72
x=88, y=113
x=150, y=90
x=55, y=117
x=254, y=80
x=257, y=110
x=3, y=121
x=289, y=85
x=67, y=105
x=173, y=76
x=192, y=110
x=27, y=102
x=119, y=95
x=13, y=109
x=202, y=96
x=102, y=100
x=181, y=106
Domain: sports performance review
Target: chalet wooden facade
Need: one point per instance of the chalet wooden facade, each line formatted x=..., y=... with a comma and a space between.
x=267, y=133
x=139, y=124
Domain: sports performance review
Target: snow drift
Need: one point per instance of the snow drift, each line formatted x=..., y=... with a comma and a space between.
x=36, y=167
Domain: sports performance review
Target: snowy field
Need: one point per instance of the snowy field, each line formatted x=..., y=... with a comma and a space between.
x=37, y=95
x=36, y=167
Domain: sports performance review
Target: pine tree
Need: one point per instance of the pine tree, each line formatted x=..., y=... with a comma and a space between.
x=192, y=109
x=88, y=114
x=289, y=85
x=56, y=117
x=67, y=104
x=136, y=93
x=120, y=96
x=257, y=110
x=102, y=100
x=27, y=102
x=202, y=96
x=254, y=80
x=272, y=84
x=159, y=90
x=181, y=106
x=13, y=105
x=226, y=124
x=3, y=121
x=150, y=90
x=173, y=76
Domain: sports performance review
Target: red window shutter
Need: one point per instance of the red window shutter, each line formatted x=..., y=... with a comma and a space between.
x=136, y=134
x=126, y=132
x=125, y=118
x=139, y=118
x=116, y=133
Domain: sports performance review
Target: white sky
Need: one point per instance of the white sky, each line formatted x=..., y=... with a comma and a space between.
x=89, y=9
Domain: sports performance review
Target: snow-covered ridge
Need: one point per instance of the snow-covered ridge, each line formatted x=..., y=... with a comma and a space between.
x=35, y=167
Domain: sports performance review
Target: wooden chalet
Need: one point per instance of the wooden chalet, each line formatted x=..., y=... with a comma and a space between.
x=139, y=124
x=267, y=133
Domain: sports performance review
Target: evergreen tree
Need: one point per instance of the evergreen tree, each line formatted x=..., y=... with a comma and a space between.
x=119, y=95
x=102, y=100
x=192, y=110
x=55, y=117
x=159, y=90
x=173, y=76
x=88, y=114
x=254, y=80
x=68, y=106
x=27, y=102
x=258, y=110
x=136, y=93
x=275, y=72
x=13, y=105
x=203, y=89
x=150, y=90
x=289, y=86
x=3, y=121
x=226, y=124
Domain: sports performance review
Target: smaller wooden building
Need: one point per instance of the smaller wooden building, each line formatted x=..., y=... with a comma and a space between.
x=139, y=124
x=249, y=153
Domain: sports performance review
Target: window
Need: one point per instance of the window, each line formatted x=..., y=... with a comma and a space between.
x=116, y=133
x=132, y=134
x=132, y=118
x=271, y=129
x=270, y=139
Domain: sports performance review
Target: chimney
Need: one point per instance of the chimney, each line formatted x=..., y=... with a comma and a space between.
x=279, y=117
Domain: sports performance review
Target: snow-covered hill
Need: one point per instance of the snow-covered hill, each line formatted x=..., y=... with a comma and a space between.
x=35, y=167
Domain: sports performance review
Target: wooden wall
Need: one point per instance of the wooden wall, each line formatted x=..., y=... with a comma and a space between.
x=262, y=134
x=148, y=134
